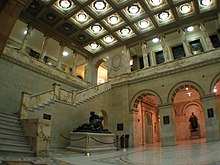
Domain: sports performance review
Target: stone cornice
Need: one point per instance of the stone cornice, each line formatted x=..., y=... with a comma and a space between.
x=14, y=56
x=166, y=69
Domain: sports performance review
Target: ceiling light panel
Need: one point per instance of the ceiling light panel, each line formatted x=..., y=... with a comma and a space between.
x=185, y=10
x=96, y=30
x=125, y=33
x=93, y=47
x=206, y=5
x=144, y=25
x=164, y=17
x=108, y=40
x=100, y=7
x=64, y=6
x=81, y=19
x=156, y=4
x=114, y=21
x=133, y=11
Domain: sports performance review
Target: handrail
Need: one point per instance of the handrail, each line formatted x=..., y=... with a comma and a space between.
x=41, y=93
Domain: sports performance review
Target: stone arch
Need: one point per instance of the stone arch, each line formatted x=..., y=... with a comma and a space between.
x=213, y=83
x=176, y=88
x=96, y=66
x=139, y=97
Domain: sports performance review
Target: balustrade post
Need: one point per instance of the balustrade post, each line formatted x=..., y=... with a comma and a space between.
x=44, y=48
x=145, y=55
x=164, y=48
x=25, y=101
x=56, y=88
x=186, y=46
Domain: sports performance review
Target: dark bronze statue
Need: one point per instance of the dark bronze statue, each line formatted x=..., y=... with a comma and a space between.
x=194, y=122
x=94, y=125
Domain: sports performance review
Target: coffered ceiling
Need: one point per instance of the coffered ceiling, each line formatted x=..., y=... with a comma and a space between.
x=95, y=26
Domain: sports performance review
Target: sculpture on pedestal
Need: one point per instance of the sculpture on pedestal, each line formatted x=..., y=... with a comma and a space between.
x=94, y=125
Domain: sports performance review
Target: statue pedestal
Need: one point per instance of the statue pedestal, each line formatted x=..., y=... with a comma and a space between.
x=90, y=142
x=195, y=135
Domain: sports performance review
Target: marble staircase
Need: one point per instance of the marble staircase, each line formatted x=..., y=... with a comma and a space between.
x=12, y=137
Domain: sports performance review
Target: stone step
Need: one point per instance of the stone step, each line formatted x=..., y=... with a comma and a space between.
x=13, y=137
x=15, y=146
x=10, y=128
x=9, y=116
x=11, y=132
x=9, y=140
x=9, y=123
x=17, y=152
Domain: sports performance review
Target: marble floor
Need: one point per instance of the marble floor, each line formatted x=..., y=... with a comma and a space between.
x=185, y=153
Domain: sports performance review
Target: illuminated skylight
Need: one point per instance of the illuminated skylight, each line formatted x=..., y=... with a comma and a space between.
x=133, y=9
x=143, y=24
x=164, y=16
x=125, y=31
x=94, y=45
x=100, y=5
x=81, y=16
x=96, y=28
x=185, y=8
x=114, y=19
x=206, y=2
x=156, y=2
x=108, y=39
x=65, y=4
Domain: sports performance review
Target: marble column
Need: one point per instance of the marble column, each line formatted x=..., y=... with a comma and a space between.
x=211, y=123
x=26, y=38
x=167, y=125
x=75, y=57
x=44, y=48
x=153, y=59
x=126, y=58
x=59, y=60
x=89, y=72
x=8, y=16
x=164, y=48
x=144, y=53
x=186, y=46
x=206, y=37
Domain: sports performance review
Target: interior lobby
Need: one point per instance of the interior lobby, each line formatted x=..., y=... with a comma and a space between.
x=150, y=69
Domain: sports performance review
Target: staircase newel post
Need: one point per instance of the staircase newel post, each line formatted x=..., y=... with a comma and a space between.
x=56, y=88
x=25, y=104
x=73, y=97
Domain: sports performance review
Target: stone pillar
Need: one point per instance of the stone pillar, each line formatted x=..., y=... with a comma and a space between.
x=126, y=59
x=25, y=100
x=59, y=60
x=167, y=125
x=8, y=16
x=144, y=53
x=153, y=59
x=89, y=72
x=44, y=48
x=26, y=38
x=186, y=45
x=165, y=48
x=75, y=57
x=206, y=37
x=56, y=88
x=212, y=123
x=38, y=132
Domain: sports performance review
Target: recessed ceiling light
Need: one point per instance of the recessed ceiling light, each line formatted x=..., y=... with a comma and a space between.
x=94, y=45
x=125, y=31
x=81, y=16
x=206, y=2
x=133, y=9
x=65, y=4
x=65, y=53
x=114, y=19
x=156, y=2
x=190, y=29
x=108, y=39
x=96, y=28
x=164, y=16
x=185, y=8
x=155, y=40
x=143, y=24
x=100, y=5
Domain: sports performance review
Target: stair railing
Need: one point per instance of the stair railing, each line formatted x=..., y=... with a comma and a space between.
x=30, y=102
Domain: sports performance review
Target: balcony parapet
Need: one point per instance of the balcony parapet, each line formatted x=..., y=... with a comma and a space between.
x=172, y=67
x=30, y=63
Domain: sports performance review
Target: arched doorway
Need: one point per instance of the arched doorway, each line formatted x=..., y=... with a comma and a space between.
x=101, y=71
x=105, y=121
x=186, y=101
x=146, y=119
